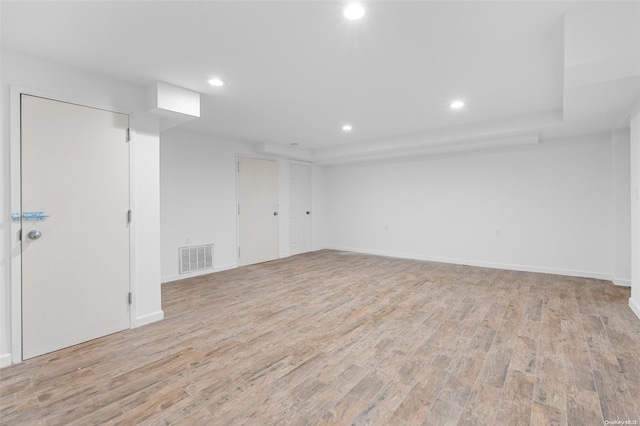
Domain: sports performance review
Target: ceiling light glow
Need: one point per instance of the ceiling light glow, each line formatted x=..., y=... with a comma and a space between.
x=354, y=11
x=457, y=104
x=216, y=82
x=347, y=127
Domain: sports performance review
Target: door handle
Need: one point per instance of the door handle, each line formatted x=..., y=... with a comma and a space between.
x=275, y=213
x=34, y=235
x=308, y=212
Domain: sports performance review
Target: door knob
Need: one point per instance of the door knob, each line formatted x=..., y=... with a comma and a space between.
x=34, y=235
x=308, y=212
x=275, y=213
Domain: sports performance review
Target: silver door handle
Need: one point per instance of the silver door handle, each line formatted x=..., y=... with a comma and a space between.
x=34, y=235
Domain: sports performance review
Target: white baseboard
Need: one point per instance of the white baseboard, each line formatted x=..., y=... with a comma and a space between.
x=198, y=273
x=635, y=307
x=149, y=318
x=480, y=264
x=621, y=282
x=5, y=360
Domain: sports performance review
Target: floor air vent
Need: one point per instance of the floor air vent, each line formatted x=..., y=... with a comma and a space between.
x=195, y=258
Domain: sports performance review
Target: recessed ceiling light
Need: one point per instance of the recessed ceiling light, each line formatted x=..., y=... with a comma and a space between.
x=354, y=11
x=216, y=82
x=456, y=104
x=347, y=127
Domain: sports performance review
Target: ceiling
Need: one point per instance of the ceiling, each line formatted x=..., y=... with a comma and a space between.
x=296, y=71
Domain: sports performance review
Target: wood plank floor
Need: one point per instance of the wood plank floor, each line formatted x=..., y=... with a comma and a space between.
x=340, y=338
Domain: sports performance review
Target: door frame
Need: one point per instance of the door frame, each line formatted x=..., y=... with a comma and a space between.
x=310, y=193
x=236, y=165
x=15, y=170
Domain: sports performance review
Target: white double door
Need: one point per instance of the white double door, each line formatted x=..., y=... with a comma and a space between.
x=75, y=228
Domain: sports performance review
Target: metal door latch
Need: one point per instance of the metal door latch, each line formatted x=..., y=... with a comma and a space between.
x=34, y=216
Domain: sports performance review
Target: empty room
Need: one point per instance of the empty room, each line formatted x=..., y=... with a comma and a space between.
x=320, y=212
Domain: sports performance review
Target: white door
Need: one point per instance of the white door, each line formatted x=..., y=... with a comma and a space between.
x=75, y=253
x=257, y=210
x=300, y=180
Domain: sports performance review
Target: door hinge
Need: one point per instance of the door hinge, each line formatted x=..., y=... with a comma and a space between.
x=128, y=134
x=129, y=216
x=238, y=208
x=130, y=298
x=238, y=251
x=238, y=167
x=20, y=235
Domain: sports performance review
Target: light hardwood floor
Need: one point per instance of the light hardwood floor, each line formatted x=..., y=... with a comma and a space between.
x=339, y=338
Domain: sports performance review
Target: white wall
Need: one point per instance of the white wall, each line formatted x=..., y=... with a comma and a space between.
x=146, y=219
x=551, y=205
x=198, y=198
x=5, y=227
x=634, y=301
x=92, y=89
x=284, y=207
x=622, y=207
